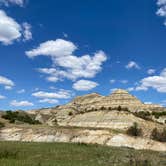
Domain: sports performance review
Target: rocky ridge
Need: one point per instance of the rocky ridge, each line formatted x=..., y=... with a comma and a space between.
x=97, y=104
x=93, y=118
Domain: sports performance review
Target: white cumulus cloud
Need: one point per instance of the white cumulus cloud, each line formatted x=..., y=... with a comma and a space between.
x=50, y=101
x=157, y=82
x=27, y=31
x=10, y=30
x=132, y=64
x=53, y=49
x=8, y=84
x=21, y=103
x=61, y=94
x=151, y=71
x=71, y=66
x=84, y=85
x=161, y=11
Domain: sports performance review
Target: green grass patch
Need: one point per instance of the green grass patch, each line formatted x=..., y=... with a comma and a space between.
x=66, y=154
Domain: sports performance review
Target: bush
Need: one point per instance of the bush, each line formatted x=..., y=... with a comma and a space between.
x=103, y=108
x=143, y=115
x=70, y=113
x=2, y=125
x=158, y=114
x=119, y=108
x=16, y=116
x=134, y=130
x=110, y=108
x=158, y=136
x=126, y=109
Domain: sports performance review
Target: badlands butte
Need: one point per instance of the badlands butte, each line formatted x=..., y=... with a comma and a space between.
x=95, y=119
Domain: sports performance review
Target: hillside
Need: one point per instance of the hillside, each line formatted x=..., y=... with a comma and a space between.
x=92, y=119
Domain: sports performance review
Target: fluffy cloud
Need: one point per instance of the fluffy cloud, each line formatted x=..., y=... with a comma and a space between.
x=50, y=101
x=156, y=82
x=10, y=30
x=151, y=71
x=61, y=94
x=161, y=9
x=132, y=64
x=21, y=103
x=53, y=49
x=8, y=84
x=84, y=85
x=27, y=31
x=14, y=2
x=161, y=2
x=2, y=97
x=71, y=66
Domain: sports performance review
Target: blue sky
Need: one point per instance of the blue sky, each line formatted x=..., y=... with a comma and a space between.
x=51, y=51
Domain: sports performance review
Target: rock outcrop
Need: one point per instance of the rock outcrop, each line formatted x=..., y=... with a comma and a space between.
x=118, y=98
x=103, y=137
x=93, y=118
x=95, y=103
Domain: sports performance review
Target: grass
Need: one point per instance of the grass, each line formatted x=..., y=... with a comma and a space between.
x=65, y=154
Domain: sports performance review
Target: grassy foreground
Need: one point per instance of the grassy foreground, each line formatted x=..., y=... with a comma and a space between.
x=65, y=154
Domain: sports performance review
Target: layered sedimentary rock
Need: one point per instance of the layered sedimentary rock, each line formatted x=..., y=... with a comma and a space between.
x=118, y=98
x=92, y=118
x=103, y=137
x=94, y=110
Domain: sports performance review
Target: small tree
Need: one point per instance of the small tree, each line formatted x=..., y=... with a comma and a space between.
x=134, y=130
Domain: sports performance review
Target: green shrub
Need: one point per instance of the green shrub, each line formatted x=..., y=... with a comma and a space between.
x=2, y=125
x=102, y=108
x=158, y=136
x=16, y=116
x=110, y=108
x=134, y=130
x=143, y=115
x=125, y=109
x=158, y=114
x=119, y=108
x=70, y=113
